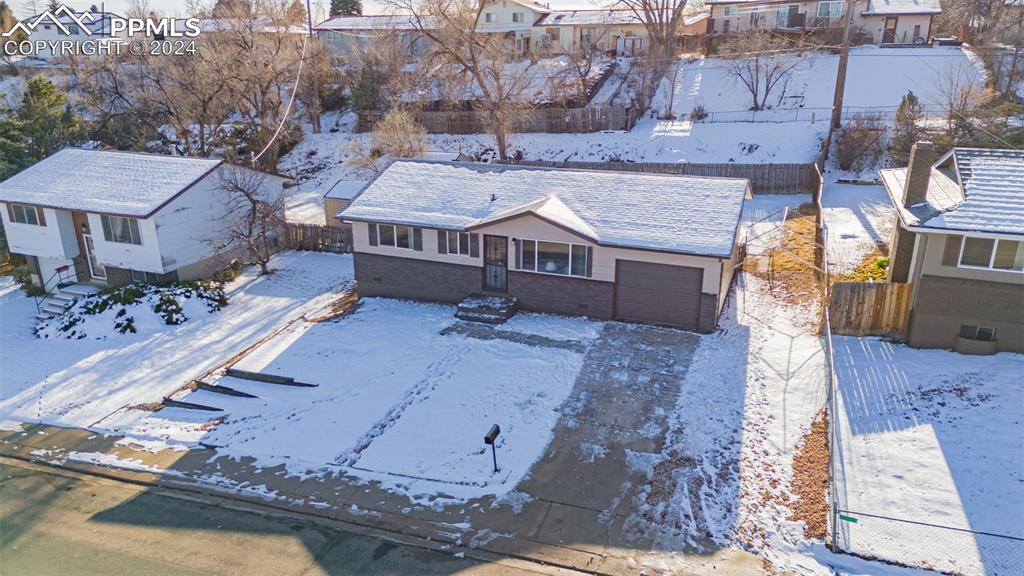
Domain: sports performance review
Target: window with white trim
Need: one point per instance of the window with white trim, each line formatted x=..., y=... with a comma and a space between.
x=554, y=257
x=992, y=254
x=122, y=230
x=26, y=215
x=458, y=243
x=517, y=16
x=730, y=11
x=396, y=236
x=830, y=9
x=489, y=17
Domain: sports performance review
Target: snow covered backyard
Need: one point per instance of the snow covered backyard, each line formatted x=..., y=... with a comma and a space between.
x=876, y=80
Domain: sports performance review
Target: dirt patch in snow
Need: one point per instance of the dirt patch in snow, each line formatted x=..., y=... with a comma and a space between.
x=790, y=272
x=810, y=481
x=664, y=481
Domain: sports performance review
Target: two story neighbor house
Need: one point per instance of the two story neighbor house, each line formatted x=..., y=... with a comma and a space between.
x=109, y=218
x=884, y=21
x=959, y=240
x=560, y=241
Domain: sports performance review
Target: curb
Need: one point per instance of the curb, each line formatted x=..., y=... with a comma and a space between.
x=413, y=532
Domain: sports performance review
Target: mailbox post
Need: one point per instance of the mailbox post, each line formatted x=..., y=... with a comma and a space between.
x=490, y=438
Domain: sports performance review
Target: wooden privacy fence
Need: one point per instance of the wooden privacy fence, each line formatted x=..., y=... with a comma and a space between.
x=544, y=120
x=318, y=238
x=764, y=178
x=870, y=309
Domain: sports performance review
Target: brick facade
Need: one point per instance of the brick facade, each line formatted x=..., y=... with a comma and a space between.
x=393, y=277
x=557, y=295
x=409, y=278
x=943, y=304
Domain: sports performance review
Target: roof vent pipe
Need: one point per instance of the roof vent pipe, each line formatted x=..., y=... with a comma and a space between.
x=493, y=197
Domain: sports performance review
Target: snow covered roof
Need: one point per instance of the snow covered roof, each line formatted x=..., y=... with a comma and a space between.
x=970, y=190
x=371, y=22
x=122, y=183
x=903, y=7
x=587, y=17
x=684, y=214
x=346, y=189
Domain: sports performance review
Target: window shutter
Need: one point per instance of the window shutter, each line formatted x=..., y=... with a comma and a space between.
x=952, y=252
x=474, y=245
x=417, y=239
x=10, y=212
x=42, y=216
x=590, y=261
x=519, y=255
x=442, y=242
x=108, y=234
x=372, y=228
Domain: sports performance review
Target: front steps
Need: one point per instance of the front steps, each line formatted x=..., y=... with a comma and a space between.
x=55, y=304
x=486, y=309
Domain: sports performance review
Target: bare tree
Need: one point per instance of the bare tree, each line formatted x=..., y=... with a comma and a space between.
x=996, y=29
x=455, y=43
x=584, y=59
x=662, y=20
x=254, y=216
x=762, y=63
x=398, y=135
x=959, y=91
x=265, y=60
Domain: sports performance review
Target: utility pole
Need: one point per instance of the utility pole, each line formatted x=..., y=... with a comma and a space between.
x=314, y=101
x=844, y=58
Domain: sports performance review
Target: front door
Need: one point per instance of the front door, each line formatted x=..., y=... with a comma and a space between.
x=889, y=35
x=496, y=263
x=96, y=270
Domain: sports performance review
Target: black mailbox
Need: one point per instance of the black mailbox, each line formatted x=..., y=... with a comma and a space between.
x=492, y=435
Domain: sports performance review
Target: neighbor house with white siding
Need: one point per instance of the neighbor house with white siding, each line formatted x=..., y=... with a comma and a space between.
x=639, y=247
x=883, y=21
x=109, y=218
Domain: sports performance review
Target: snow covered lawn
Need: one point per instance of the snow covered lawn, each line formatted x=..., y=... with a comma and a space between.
x=396, y=400
x=931, y=436
x=859, y=219
x=89, y=383
x=876, y=80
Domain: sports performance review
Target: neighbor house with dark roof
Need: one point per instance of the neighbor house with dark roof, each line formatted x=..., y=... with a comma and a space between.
x=108, y=218
x=959, y=240
x=640, y=247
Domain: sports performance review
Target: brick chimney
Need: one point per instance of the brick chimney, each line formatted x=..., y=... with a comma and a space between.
x=922, y=156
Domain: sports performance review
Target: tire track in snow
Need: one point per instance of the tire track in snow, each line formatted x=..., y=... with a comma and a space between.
x=436, y=373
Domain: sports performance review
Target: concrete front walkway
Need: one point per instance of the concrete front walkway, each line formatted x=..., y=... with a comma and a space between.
x=576, y=509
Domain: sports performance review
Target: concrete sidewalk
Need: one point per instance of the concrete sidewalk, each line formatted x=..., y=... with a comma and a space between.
x=576, y=509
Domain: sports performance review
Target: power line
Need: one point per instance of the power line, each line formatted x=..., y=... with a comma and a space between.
x=288, y=109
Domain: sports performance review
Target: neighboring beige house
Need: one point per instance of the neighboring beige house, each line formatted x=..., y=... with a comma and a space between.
x=559, y=241
x=352, y=35
x=884, y=21
x=959, y=240
x=565, y=31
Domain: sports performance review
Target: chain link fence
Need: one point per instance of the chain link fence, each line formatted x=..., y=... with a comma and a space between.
x=925, y=545
x=779, y=115
x=906, y=542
